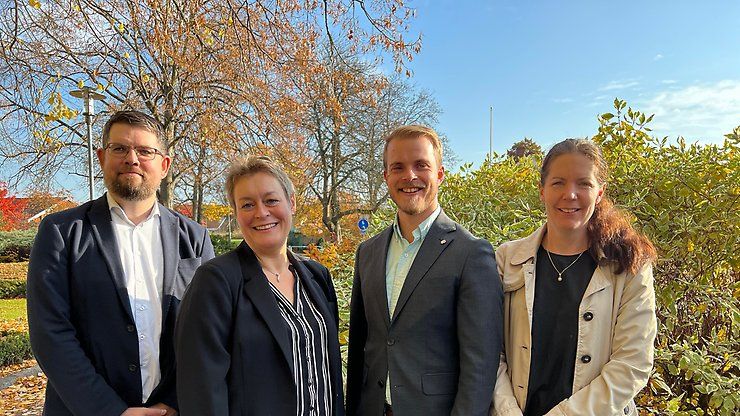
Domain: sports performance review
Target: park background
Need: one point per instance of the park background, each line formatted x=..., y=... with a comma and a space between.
x=316, y=85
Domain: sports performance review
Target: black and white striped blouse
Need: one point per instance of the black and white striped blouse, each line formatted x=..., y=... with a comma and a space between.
x=310, y=351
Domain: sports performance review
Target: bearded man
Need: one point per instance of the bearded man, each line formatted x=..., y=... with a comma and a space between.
x=105, y=281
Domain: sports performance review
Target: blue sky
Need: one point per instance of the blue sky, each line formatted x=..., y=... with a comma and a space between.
x=549, y=68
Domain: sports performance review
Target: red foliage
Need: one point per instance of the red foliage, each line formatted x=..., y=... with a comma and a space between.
x=11, y=210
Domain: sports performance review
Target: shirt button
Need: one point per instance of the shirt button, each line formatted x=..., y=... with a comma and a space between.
x=588, y=316
x=142, y=336
x=130, y=328
x=586, y=359
x=142, y=308
x=627, y=410
x=132, y=367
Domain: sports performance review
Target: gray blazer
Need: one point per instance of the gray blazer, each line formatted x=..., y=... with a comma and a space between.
x=442, y=345
x=79, y=316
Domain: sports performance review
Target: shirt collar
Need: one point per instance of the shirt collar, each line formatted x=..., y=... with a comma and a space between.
x=116, y=209
x=421, y=231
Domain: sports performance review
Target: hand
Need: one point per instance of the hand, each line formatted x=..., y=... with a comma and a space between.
x=144, y=411
x=170, y=411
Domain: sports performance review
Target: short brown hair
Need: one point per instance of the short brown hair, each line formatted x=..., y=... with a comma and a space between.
x=136, y=119
x=413, y=131
x=248, y=166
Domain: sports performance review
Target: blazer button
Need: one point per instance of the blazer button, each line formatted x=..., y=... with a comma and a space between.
x=391, y=341
x=586, y=359
x=132, y=367
x=130, y=328
x=588, y=316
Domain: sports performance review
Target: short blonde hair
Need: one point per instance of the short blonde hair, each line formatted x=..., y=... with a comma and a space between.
x=248, y=166
x=413, y=131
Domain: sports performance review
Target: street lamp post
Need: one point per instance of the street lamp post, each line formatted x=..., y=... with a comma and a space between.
x=87, y=94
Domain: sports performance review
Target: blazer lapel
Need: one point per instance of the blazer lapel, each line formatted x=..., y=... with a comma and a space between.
x=436, y=241
x=102, y=229
x=375, y=276
x=258, y=290
x=168, y=226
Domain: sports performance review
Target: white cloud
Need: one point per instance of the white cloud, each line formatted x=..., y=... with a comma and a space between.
x=700, y=112
x=619, y=85
x=657, y=57
x=668, y=81
x=562, y=100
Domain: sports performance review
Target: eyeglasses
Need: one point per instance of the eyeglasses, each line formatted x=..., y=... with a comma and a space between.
x=142, y=152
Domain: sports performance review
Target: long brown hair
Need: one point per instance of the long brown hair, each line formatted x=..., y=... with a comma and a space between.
x=610, y=231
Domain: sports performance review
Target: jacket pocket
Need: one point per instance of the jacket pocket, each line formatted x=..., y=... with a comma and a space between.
x=439, y=383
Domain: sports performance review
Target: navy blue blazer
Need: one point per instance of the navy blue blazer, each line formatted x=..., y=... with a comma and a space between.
x=233, y=348
x=79, y=316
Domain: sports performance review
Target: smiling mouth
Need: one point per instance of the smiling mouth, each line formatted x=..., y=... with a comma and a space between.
x=411, y=190
x=265, y=227
x=569, y=210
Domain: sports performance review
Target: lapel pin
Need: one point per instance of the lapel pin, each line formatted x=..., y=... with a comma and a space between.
x=442, y=241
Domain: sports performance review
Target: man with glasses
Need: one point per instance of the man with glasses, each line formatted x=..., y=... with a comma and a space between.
x=105, y=281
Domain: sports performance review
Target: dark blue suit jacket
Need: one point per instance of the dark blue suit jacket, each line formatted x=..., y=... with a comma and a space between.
x=82, y=331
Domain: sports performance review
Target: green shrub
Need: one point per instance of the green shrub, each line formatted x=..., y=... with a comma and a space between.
x=222, y=244
x=11, y=289
x=15, y=246
x=14, y=348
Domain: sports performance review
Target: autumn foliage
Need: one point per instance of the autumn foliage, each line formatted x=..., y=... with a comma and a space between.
x=11, y=210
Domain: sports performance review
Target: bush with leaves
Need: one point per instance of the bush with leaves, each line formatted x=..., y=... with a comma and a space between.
x=16, y=245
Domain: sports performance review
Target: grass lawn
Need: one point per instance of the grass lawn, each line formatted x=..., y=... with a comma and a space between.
x=11, y=309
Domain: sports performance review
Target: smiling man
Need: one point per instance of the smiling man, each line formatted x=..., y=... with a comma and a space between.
x=426, y=311
x=105, y=281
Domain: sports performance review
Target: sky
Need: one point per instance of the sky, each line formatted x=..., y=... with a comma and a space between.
x=549, y=68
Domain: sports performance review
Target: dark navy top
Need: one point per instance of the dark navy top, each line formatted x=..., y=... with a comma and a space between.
x=555, y=329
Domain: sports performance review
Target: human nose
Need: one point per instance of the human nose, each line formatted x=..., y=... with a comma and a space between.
x=260, y=210
x=571, y=192
x=131, y=156
x=409, y=174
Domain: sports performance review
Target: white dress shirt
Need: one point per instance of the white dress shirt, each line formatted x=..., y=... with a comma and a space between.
x=140, y=251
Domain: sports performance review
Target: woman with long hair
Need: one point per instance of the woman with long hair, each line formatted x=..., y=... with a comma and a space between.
x=579, y=303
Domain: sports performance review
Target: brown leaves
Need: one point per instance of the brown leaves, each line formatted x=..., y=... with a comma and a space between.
x=25, y=397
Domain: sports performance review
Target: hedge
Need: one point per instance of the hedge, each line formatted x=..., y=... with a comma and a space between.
x=15, y=246
x=12, y=289
x=14, y=348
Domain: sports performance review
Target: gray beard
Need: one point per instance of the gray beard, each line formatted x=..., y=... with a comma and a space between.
x=128, y=191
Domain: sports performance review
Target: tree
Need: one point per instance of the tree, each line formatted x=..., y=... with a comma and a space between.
x=11, y=210
x=351, y=109
x=523, y=148
x=192, y=64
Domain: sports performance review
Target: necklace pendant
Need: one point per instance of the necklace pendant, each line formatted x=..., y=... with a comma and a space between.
x=560, y=277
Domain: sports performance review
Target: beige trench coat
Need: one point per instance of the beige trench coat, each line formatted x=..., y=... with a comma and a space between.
x=616, y=331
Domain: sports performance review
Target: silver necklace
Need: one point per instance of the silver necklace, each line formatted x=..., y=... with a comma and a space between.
x=277, y=275
x=560, y=273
